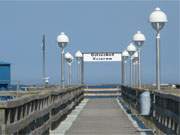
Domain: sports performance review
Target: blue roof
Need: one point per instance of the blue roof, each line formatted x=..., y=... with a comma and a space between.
x=2, y=62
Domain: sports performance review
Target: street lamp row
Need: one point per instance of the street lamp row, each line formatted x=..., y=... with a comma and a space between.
x=157, y=19
x=62, y=41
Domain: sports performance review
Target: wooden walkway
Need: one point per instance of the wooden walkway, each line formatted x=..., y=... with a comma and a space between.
x=102, y=117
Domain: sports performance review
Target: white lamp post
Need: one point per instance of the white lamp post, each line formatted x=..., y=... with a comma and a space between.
x=125, y=56
x=79, y=57
x=139, y=39
x=158, y=19
x=136, y=72
x=62, y=40
x=69, y=58
x=135, y=60
x=131, y=50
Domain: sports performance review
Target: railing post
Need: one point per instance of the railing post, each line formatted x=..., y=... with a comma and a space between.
x=16, y=114
x=2, y=121
x=8, y=116
x=25, y=110
x=30, y=107
x=50, y=111
x=178, y=128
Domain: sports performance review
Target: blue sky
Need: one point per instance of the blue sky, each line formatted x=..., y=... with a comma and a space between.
x=91, y=26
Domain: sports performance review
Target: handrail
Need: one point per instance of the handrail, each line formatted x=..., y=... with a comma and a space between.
x=29, y=112
x=165, y=110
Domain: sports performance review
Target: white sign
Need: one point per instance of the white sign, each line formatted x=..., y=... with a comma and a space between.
x=101, y=56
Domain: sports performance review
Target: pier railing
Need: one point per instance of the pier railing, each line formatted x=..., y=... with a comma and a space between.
x=165, y=108
x=38, y=111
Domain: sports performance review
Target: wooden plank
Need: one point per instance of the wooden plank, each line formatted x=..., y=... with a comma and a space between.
x=102, y=117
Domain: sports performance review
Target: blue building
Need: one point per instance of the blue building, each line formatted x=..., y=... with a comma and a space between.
x=5, y=75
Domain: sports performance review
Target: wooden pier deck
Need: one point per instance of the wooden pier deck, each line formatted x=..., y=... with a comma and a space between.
x=102, y=117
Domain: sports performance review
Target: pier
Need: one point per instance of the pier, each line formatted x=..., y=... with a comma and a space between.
x=43, y=111
x=56, y=80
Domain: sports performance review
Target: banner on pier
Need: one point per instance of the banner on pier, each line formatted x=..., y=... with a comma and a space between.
x=101, y=56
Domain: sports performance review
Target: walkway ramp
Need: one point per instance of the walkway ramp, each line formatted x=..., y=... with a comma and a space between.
x=102, y=92
x=102, y=117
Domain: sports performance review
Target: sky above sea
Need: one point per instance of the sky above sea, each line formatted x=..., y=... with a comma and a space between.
x=92, y=26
